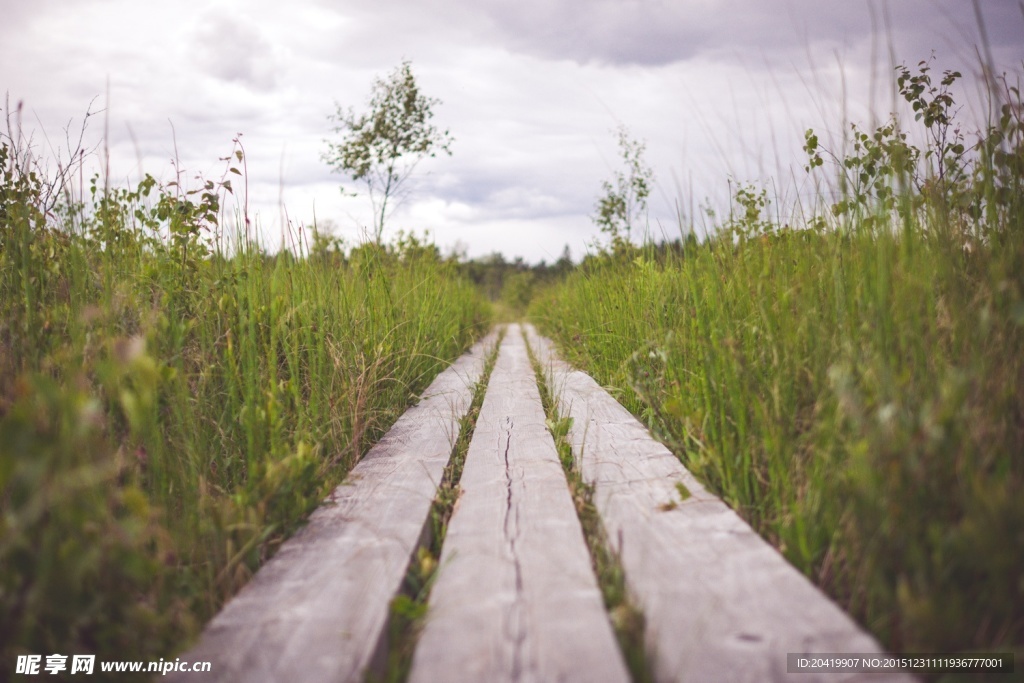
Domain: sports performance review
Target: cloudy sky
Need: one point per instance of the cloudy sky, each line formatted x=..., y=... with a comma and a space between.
x=532, y=91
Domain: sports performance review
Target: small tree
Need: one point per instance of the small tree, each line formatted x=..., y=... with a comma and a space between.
x=624, y=202
x=383, y=146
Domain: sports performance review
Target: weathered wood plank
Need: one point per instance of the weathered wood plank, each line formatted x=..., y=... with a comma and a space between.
x=515, y=598
x=317, y=610
x=720, y=603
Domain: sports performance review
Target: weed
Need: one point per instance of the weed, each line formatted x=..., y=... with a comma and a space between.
x=851, y=386
x=626, y=617
x=409, y=608
x=171, y=408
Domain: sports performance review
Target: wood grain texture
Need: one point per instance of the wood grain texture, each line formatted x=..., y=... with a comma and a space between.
x=721, y=604
x=515, y=598
x=317, y=610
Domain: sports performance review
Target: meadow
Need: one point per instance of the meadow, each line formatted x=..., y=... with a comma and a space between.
x=851, y=381
x=175, y=399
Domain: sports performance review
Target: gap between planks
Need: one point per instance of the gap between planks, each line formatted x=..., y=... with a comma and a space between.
x=511, y=598
x=318, y=609
x=720, y=603
x=515, y=598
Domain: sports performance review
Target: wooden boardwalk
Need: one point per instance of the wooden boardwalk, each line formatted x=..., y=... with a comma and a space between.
x=317, y=611
x=515, y=598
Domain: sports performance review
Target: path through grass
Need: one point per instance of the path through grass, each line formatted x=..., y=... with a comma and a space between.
x=852, y=385
x=173, y=403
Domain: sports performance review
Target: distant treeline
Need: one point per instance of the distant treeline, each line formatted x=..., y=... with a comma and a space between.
x=513, y=282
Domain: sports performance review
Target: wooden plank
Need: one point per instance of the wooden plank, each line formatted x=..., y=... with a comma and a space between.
x=720, y=603
x=318, y=609
x=515, y=598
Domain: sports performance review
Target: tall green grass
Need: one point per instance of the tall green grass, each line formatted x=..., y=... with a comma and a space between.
x=853, y=384
x=172, y=405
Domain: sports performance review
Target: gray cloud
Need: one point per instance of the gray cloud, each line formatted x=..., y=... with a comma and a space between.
x=658, y=32
x=531, y=91
x=232, y=49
